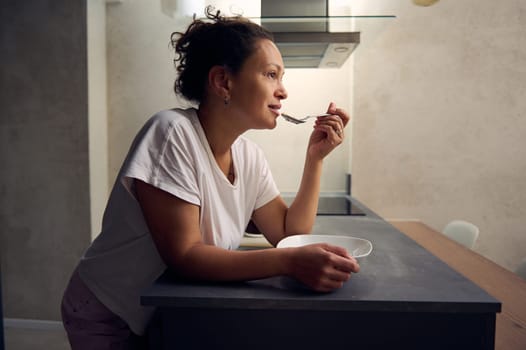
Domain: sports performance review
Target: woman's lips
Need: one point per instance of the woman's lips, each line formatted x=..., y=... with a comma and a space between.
x=275, y=109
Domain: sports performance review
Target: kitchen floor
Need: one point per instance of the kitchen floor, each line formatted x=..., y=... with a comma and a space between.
x=31, y=339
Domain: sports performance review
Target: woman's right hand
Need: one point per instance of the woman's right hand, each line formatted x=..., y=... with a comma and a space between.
x=321, y=266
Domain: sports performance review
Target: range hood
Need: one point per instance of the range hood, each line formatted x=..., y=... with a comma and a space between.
x=306, y=36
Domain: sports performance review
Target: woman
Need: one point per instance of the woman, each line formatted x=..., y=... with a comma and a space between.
x=191, y=183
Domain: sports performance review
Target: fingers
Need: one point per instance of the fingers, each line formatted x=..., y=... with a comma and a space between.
x=338, y=251
x=333, y=120
x=329, y=131
x=323, y=267
x=337, y=120
x=339, y=268
x=343, y=261
x=339, y=112
x=331, y=279
x=332, y=126
x=328, y=285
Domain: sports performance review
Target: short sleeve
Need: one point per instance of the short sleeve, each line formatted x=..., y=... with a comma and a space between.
x=161, y=156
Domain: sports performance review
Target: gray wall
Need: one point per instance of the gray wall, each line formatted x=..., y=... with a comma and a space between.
x=44, y=184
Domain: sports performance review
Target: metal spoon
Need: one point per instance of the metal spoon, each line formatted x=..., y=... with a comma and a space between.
x=301, y=120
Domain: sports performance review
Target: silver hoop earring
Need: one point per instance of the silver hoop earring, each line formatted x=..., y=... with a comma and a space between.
x=226, y=101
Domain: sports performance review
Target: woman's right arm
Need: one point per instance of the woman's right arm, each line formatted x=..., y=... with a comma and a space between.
x=174, y=226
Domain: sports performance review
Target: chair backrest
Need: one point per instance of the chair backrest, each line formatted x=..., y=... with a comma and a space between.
x=462, y=232
x=521, y=269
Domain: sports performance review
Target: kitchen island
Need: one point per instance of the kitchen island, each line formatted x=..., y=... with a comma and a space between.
x=403, y=297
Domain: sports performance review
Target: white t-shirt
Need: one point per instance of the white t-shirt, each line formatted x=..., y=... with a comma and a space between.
x=170, y=152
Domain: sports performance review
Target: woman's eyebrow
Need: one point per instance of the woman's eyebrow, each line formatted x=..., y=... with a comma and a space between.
x=278, y=67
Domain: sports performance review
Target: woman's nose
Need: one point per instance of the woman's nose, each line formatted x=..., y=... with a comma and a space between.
x=282, y=92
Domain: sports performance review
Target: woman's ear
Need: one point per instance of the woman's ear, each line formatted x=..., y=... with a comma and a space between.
x=219, y=81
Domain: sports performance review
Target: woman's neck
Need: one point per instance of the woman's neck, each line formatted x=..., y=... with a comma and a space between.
x=220, y=133
x=219, y=130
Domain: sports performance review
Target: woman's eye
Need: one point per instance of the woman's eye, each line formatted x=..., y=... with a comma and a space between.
x=272, y=75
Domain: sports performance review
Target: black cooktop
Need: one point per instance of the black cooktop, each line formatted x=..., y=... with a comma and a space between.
x=337, y=206
x=333, y=205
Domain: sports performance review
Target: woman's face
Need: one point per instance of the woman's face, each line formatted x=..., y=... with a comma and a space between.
x=257, y=90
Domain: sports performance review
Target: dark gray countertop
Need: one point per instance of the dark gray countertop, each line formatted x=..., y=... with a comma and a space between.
x=398, y=275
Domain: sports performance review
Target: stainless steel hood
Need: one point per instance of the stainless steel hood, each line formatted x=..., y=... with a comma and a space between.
x=305, y=33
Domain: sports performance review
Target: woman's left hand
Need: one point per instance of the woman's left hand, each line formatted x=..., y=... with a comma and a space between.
x=328, y=132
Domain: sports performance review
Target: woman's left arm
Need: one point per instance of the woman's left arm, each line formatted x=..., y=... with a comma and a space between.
x=274, y=219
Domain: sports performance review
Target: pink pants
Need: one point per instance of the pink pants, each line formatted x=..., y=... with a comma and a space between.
x=91, y=325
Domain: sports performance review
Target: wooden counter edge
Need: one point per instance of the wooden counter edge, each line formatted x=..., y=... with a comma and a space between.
x=502, y=284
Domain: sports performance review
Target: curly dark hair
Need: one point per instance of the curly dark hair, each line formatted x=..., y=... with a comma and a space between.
x=216, y=40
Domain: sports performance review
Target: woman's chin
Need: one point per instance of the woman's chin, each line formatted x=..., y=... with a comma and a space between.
x=273, y=123
x=268, y=125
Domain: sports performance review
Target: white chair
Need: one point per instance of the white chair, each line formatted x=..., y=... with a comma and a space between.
x=521, y=269
x=462, y=232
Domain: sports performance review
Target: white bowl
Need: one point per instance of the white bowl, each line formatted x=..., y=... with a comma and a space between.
x=356, y=247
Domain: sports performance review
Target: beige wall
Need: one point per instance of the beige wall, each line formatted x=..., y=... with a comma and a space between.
x=310, y=91
x=140, y=79
x=97, y=111
x=439, y=127
x=140, y=71
x=438, y=113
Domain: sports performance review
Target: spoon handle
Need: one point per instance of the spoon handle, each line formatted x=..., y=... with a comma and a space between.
x=319, y=115
x=302, y=120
